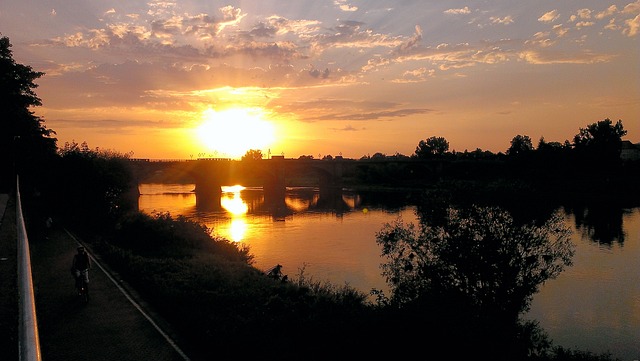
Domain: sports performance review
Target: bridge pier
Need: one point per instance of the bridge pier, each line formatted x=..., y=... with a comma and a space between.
x=208, y=187
x=275, y=184
x=210, y=176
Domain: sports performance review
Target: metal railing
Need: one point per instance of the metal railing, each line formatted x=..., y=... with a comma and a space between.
x=29, y=340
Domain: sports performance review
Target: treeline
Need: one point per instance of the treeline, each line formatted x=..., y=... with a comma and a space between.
x=590, y=168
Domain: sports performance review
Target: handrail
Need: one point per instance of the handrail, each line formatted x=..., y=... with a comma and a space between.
x=29, y=340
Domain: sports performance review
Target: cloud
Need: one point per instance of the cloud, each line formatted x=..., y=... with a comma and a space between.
x=410, y=43
x=464, y=10
x=342, y=5
x=349, y=128
x=115, y=126
x=457, y=56
x=542, y=57
x=611, y=10
x=582, y=14
x=541, y=39
x=584, y=24
x=504, y=21
x=331, y=109
x=632, y=8
x=632, y=26
x=380, y=115
x=560, y=30
x=187, y=56
x=351, y=34
x=549, y=16
x=415, y=76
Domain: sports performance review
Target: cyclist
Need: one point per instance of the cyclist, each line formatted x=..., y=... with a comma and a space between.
x=81, y=265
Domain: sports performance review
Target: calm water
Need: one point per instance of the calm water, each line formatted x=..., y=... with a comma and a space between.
x=593, y=305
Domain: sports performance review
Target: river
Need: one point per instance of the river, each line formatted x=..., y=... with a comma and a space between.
x=593, y=305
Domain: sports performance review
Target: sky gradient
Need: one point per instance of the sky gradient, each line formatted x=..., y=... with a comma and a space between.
x=186, y=79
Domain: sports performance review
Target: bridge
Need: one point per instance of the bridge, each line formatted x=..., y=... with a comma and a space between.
x=277, y=173
x=273, y=174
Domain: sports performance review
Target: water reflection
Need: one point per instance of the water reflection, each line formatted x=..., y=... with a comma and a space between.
x=238, y=229
x=232, y=202
x=590, y=304
x=601, y=223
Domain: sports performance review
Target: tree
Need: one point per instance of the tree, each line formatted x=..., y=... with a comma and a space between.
x=478, y=260
x=92, y=184
x=26, y=145
x=252, y=154
x=601, y=140
x=553, y=147
x=432, y=146
x=520, y=144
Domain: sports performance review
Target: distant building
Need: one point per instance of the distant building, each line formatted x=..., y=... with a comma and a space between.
x=630, y=151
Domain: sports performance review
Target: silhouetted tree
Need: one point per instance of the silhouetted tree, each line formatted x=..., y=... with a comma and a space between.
x=601, y=140
x=476, y=154
x=520, y=144
x=552, y=147
x=432, y=146
x=252, y=154
x=478, y=270
x=26, y=145
x=92, y=184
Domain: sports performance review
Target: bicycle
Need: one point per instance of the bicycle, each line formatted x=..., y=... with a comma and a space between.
x=82, y=285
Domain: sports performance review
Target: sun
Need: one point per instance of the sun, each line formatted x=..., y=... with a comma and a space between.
x=230, y=133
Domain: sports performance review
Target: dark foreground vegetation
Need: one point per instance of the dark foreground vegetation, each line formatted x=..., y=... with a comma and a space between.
x=459, y=280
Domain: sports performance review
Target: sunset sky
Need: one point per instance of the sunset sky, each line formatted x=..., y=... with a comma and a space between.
x=194, y=78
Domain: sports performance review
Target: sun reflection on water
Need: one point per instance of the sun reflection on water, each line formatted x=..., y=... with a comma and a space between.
x=233, y=203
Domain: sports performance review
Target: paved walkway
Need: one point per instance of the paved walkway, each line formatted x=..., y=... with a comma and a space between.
x=8, y=286
x=4, y=198
x=113, y=325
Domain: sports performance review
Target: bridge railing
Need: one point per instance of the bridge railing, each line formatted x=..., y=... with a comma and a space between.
x=29, y=340
x=149, y=160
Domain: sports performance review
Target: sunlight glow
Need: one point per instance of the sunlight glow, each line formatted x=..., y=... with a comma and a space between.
x=232, y=132
x=232, y=189
x=233, y=203
x=238, y=229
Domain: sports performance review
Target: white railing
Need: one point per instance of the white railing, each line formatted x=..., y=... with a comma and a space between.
x=29, y=339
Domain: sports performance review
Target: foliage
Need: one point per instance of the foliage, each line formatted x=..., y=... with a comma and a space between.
x=160, y=235
x=559, y=353
x=520, y=144
x=252, y=154
x=92, y=184
x=544, y=146
x=601, y=141
x=25, y=142
x=475, y=272
x=479, y=256
x=432, y=146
